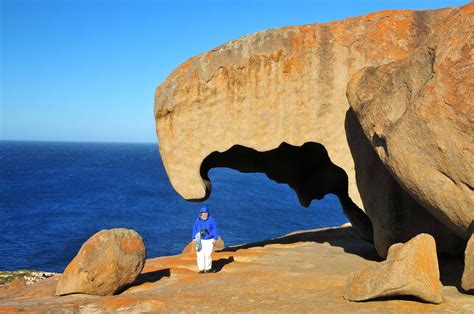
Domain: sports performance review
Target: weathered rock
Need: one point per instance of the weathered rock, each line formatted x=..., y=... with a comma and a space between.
x=275, y=102
x=468, y=274
x=303, y=272
x=418, y=114
x=279, y=85
x=106, y=262
x=411, y=269
x=191, y=247
x=220, y=245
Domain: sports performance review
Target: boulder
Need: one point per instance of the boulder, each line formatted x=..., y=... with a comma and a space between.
x=468, y=274
x=276, y=102
x=191, y=247
x=411, y=269
x=418, y=115
x=105, y=263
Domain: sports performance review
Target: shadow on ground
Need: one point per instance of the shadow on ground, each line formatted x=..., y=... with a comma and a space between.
x=346, y=238
x=220, y=263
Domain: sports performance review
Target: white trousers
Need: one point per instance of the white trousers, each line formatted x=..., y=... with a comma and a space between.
x=204, y=257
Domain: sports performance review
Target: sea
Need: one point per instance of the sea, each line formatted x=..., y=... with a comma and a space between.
x=55, y=195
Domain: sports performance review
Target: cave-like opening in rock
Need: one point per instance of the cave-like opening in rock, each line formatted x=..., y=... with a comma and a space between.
x=307, y=169
x=249, y=207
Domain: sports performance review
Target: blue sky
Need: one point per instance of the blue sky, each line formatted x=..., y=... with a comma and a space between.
x=87, y=70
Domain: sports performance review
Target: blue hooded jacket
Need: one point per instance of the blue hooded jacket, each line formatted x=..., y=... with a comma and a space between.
x=209, y=224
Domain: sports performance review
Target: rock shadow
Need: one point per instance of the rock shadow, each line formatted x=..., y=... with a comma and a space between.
x=345, y=238
x=451, y=268
x=395, y=298
x=152, y=276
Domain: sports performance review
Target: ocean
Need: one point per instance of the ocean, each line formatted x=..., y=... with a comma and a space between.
x=55, y=195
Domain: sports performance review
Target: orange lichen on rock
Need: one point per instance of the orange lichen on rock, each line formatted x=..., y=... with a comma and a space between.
x=129, y=245
x=468, y=8
x=108, y=261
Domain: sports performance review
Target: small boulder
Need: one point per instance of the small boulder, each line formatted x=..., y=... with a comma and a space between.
x=106, y=262
x=191, y=247
x=219, y=244
x=411, y=269
x=468, y=274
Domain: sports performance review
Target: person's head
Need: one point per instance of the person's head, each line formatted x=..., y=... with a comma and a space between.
x=203, y=213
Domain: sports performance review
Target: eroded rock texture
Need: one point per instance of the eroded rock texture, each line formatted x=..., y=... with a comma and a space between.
x=419, y=116
x=411, y=269
x=267, y=92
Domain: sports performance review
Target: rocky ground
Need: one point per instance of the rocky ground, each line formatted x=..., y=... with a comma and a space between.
x=29, y=276
x=305, y=271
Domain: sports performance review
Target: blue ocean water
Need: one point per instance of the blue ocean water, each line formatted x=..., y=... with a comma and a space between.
x=55, y=195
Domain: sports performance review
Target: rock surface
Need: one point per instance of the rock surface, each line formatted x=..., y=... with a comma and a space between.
x=411, y=269
x=106, y=263
x=468, y=274
x=302, y=272
x=16, y=283
x=251, y=101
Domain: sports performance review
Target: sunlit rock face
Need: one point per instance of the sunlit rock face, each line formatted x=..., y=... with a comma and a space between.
x=289, y=85
x=418, y=114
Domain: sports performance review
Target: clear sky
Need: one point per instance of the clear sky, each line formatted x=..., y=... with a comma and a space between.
x=87, y=70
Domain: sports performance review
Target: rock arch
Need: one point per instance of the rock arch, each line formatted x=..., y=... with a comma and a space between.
x=307, y=169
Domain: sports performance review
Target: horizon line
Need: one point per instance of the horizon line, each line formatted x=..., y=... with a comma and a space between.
x=77, y=141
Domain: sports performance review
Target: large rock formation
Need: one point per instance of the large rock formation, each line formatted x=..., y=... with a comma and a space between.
x=106, y=263
x=275, y=102
x=411, y=269
x=418, y=114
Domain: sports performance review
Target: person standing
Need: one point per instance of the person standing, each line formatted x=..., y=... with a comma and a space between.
x=205, y=235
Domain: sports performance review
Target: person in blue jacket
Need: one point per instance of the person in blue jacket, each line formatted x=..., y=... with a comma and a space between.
x=205, y=235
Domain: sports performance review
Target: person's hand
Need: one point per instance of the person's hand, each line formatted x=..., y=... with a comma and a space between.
x=213, y=241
